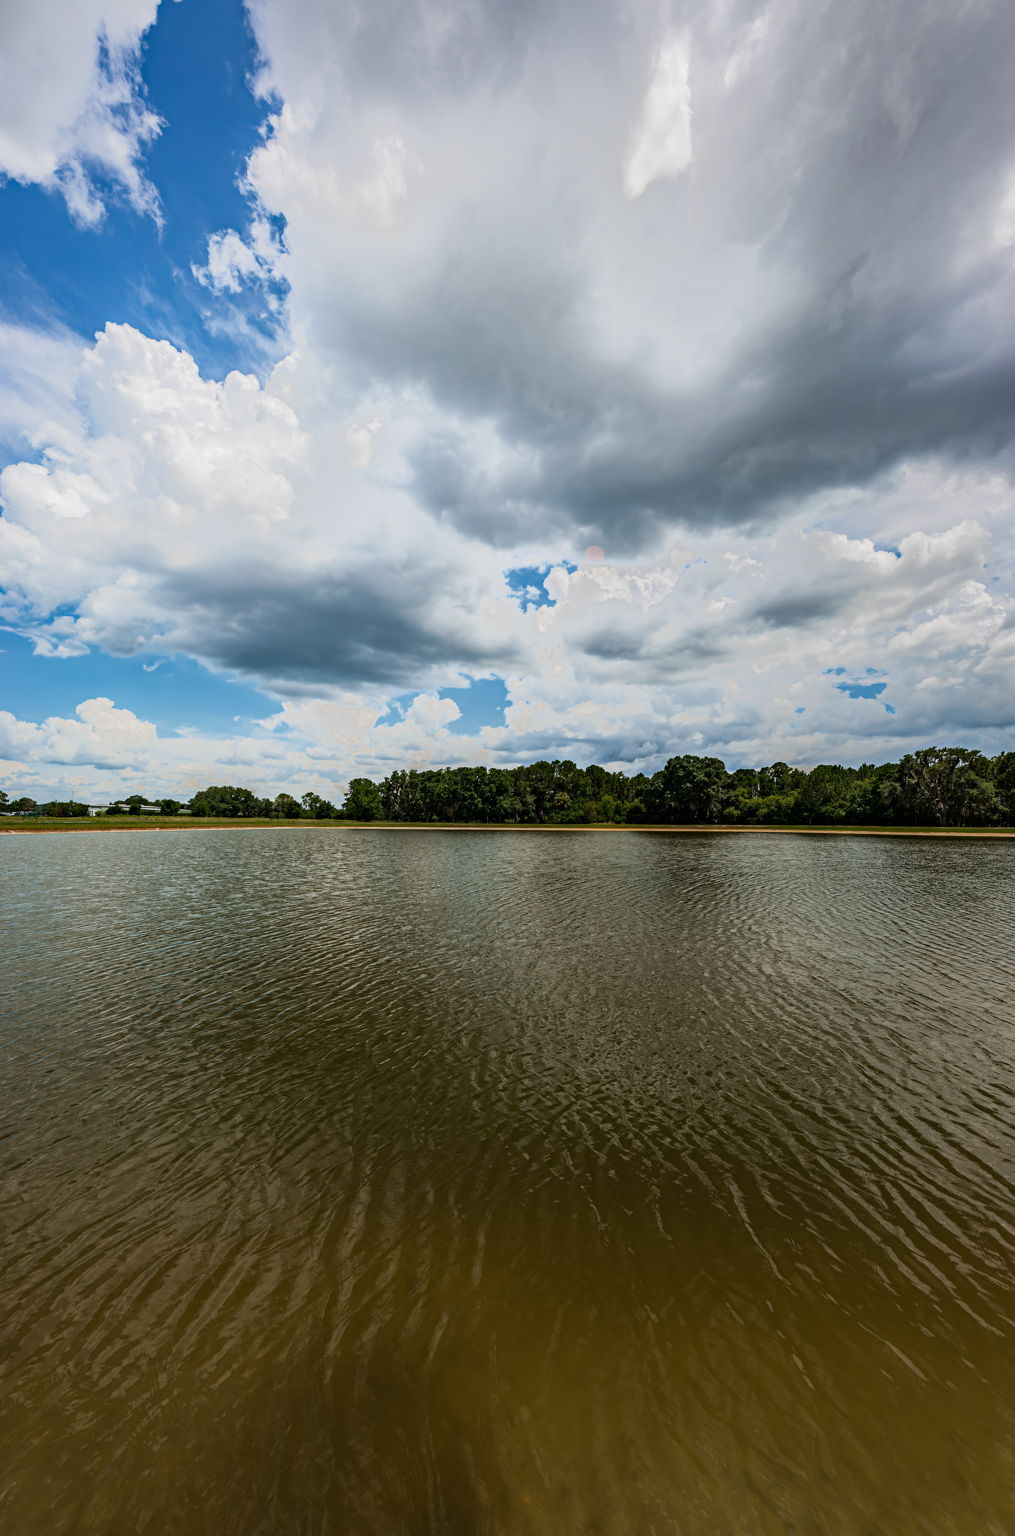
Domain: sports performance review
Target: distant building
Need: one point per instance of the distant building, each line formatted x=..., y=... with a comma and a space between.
x=124, y=810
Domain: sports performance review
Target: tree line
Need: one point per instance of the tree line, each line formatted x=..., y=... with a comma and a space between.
x=935, y=787
x=218, y=800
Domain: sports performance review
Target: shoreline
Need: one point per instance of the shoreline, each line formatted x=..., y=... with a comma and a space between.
x=995, y=834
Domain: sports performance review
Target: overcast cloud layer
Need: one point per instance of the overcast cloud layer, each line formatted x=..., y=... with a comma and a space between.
x=709, y=309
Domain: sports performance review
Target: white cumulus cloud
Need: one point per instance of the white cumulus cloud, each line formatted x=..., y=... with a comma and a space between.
x=71, y=101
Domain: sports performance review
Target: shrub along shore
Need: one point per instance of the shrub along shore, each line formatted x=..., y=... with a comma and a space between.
x=933, y=790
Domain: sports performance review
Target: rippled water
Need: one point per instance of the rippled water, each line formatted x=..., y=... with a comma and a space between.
x=370, y=1182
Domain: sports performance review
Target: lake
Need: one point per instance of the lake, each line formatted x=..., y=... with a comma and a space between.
x=367, y=1182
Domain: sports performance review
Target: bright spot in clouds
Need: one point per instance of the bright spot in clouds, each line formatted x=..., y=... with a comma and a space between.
x=661, y=143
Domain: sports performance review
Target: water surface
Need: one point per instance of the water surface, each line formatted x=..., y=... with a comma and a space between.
x=371, y=1183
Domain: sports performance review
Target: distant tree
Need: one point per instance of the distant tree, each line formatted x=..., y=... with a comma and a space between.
x=63, y=808
x=284, y=807
x=1002, y=770
x=946, y=787
x=402, y=796
x=765, y=811
x=779, y=779
x=227, y=800
x=363, y=801
x=169, y=807
x=612, y=808
x=3, y=799
x=636, y=796
x=26, y=805
x=134, y=804
x=745, y=783
x=825, y=794
x=688, y=789
x=939, y=786
x=873, y=799
x=553, y=791
x=315, y=808
x=598, y=781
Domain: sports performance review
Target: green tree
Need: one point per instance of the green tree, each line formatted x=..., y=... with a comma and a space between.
x=825, y=794
x=779, y=779
x=872, y=800
x=1002, y=770
x=227, y=800
x=688, y=789
x=286, y=808
x=398, y=793
x=960, y=786
x=946, y=787
x=315, y=808
x=363, y=801
x=745, y=783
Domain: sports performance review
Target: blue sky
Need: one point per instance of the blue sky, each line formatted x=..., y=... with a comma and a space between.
x=174, y=691
x=481, y=702
x=197, y=64
x=379, y=389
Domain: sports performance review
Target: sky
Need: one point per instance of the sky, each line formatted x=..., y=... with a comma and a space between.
x=408, y=383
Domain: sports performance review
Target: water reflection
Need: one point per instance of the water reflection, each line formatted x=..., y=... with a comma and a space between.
x=510, y=1183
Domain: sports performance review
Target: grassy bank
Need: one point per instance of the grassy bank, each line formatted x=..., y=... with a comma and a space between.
x=215, y=823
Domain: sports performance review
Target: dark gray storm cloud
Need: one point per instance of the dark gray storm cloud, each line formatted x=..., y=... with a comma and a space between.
x=339, y=629
x=795, y=608
x=825, y=289
x=634, y=656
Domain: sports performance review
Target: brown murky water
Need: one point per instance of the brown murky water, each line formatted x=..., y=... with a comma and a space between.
x=466, y=1183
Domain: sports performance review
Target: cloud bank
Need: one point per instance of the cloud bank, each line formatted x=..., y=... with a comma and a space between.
x=727, y=292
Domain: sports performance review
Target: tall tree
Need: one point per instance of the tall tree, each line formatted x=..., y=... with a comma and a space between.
x=227, y=800
x=946, y=787
x=825, y=794
x=691, y=789
x=363, y=801
x=316, y=808
x=1003, y=773
x=286, y=808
